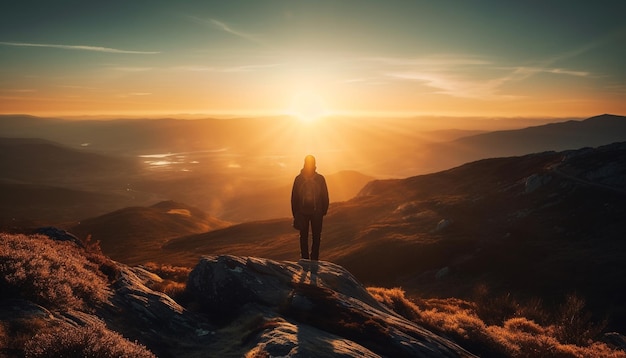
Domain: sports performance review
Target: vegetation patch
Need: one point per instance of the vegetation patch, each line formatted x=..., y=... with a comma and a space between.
x=568, y=333
x=93, y=340
x=51, y=273
x=174, y=280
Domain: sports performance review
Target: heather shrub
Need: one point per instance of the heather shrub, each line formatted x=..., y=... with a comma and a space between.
x=174, y=279
x=17, y=331
x=514, y=337
x=4, y=338
x=168, y=272
x=93, y=340
x=574, y=325
x=49, y=272
x=394, y=298
x=93, y=253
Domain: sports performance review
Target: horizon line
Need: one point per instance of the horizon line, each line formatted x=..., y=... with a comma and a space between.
x=265, y=114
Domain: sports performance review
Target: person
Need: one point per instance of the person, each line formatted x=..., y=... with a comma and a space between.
x=309, y=204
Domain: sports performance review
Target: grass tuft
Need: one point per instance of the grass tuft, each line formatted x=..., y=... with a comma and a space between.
x=571, y=334
x=51, y=273
x=87, y=341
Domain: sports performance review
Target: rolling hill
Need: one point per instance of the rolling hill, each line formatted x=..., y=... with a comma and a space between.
x=134, y=233
x=27, y=205
x=50, y=183
x=539, y=225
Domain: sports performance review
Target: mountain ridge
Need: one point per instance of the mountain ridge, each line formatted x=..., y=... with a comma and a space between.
x=573, y=134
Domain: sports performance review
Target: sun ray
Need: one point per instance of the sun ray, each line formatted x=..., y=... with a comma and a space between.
x=308, y=106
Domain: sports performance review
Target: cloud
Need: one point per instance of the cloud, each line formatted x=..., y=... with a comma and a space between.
x=231, y=69
x=456, y=86
x=80, y=48
x=445, y=60
x=133, y=69
x=222, y=26
x=461, y=75
x=18, y=90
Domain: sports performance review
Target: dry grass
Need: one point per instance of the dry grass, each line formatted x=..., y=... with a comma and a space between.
x=62, y=277
x=86, y=341
x=515, y=337
x=174, y=279
x=51, y=273
x=14, y=333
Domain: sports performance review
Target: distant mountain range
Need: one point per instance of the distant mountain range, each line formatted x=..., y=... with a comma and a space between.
x=591, y=132
x=249, y=178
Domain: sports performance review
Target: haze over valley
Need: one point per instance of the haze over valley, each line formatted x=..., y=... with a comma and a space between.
x=241, y=174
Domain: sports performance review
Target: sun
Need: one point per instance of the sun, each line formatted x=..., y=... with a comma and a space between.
x=307, y=107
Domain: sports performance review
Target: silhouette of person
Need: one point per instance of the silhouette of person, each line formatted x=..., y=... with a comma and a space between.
x=309, y=204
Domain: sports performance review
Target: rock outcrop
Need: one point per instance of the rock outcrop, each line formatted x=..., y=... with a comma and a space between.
x=307, y=309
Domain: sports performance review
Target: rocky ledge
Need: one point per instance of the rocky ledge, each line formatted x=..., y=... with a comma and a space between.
x=303, y=309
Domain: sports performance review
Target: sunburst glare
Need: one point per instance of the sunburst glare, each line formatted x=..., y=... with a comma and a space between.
x=307, y=107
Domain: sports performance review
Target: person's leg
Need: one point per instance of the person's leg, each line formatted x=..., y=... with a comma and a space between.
x=316, y=228
x=304, y=237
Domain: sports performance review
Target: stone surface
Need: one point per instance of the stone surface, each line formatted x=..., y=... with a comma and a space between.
x=307, y=308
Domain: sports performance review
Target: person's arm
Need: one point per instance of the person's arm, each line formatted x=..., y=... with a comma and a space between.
x=294, y=198
x=325, y=199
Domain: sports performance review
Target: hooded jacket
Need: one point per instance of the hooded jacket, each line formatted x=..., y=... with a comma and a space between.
x=321, y=194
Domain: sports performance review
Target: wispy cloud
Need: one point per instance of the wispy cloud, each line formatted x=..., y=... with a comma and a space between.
x=133, y=69
x=134, y=94
x=229, y=69
x=77, y=87
x=431, y=61
x=456, y=86
x=222, y=26
x=463, y=76
x=80, y=48
x=18, y=90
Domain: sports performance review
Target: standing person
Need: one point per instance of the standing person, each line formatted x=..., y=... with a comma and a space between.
x=309, y=204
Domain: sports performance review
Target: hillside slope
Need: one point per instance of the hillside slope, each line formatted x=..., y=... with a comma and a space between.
x=22, y=203
x=539, y=225
x=44, y=181
x=41, y=161
x=132, y=234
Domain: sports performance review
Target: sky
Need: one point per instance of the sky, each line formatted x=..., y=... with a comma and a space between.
x=313, y=58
